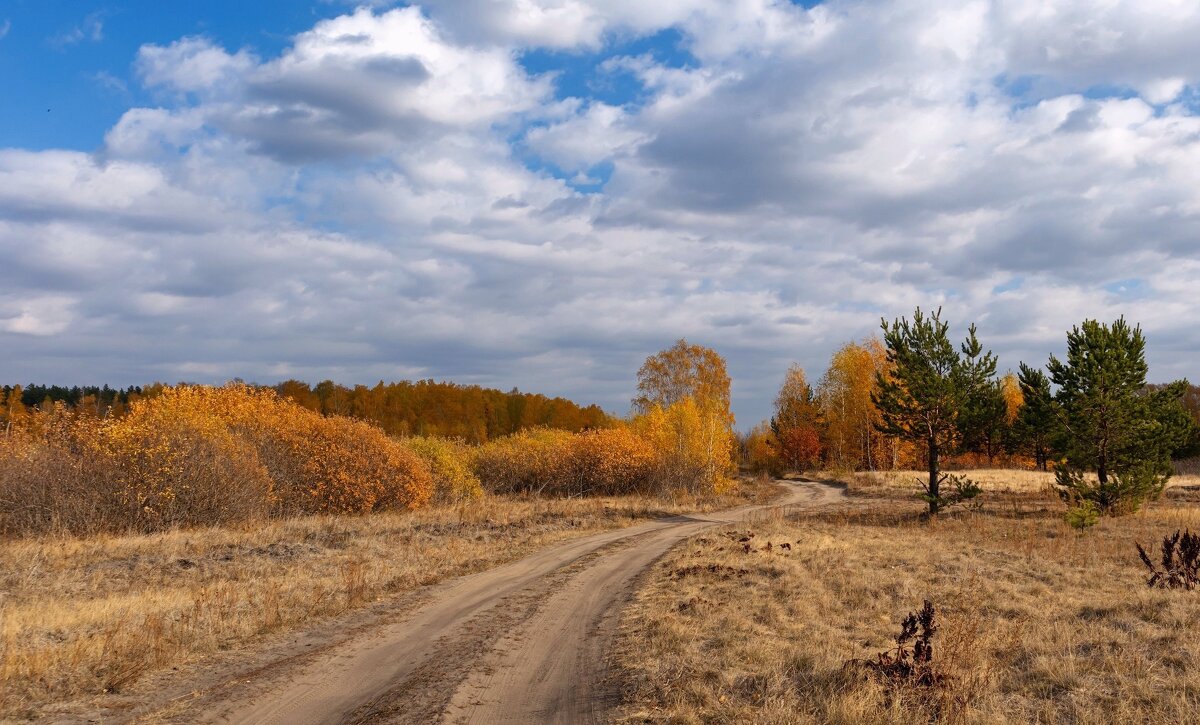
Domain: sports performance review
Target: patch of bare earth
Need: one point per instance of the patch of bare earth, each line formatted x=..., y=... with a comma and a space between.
x=101, y=622
x=1038, y=623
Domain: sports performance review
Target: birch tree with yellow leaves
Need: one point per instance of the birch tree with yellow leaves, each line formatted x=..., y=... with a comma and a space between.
x=683, y=407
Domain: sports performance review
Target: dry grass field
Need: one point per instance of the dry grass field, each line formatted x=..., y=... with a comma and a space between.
x=83, y=617
x=1039, y=623
x=996, y=480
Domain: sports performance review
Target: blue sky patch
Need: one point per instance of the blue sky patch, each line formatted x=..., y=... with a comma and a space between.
x=66, y=69
x=1009, y=286
x=580, y=75
x=1130, y=289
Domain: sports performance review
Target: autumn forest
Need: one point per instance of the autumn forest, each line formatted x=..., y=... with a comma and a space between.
x=99, y=459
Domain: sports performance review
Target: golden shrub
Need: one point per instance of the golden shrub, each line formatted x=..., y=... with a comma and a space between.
x=611, y=461
x=342, y=465
x=180, y=462
x=53, y=477
x=202, y=455
x=531, y=461
x=449, y=463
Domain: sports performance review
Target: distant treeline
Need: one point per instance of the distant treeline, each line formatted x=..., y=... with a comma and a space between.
x=403, y=408
x=103, y=398
x=429, y=408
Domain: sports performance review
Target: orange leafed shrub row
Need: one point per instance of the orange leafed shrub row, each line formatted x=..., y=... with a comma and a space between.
x=198, y=455
x=544, y=461
x=682, y=447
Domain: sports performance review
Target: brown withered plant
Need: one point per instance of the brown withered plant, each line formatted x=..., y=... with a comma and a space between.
x=1179, y=564
x=911, y=661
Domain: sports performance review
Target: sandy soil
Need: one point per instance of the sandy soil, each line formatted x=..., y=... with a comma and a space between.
x=522, y=643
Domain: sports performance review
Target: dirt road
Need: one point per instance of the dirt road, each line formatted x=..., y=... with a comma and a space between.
x=522, y=643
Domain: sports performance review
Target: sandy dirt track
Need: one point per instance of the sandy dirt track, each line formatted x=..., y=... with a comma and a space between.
x=521, y=643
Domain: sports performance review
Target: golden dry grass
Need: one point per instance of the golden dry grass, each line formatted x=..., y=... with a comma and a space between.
x=991, y=479
x=81, y=617
x=1040, y=624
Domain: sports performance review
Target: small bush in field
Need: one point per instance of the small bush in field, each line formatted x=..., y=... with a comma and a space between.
x=1084, y=515
x=911, y=662
x=612, y=461
x=449, y=463
x=1123, y=493
x=53, y=478
x=1179, y=564
x=953, y=489
x=177, y=463
x=312, y=464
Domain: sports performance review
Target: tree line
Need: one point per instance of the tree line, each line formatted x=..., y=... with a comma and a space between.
x=405, y=408
x=914, y=398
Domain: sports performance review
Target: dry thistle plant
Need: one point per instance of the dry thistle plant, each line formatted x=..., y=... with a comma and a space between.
x=1180, y=562
x=911, y=662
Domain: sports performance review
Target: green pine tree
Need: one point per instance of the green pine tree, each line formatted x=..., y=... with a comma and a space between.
x=1036, y=427
x=1111, y=424
x=928, y=388
x=982, y=420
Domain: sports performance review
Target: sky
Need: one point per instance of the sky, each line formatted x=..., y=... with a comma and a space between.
x=541, y=193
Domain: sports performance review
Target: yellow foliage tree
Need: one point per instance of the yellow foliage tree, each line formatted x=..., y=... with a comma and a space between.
x=850, y=416
x=684, y=405
x=693, y=446
x=760, y=450
x=1010, y=388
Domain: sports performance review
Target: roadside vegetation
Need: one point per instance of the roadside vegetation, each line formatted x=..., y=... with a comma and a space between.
x=193, y=455
x=946, y=593
x=193, y=519
x=1036, y=621
x=87, y=619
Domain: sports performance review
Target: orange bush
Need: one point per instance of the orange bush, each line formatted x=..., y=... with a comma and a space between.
x=308, y=463
x=178, y=460
x=613, y=461
x=53, y=477
x=194, y=455
x=610, y=461
x=449, y=460
x=531, y=461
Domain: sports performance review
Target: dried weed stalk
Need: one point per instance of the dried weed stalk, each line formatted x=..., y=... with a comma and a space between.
x=1180, y=562
x=911, y=663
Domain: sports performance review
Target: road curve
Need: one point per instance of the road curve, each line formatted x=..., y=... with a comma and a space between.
x=521, y=643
